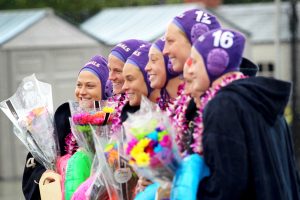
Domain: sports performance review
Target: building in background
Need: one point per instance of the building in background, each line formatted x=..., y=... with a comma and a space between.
x=206, y=3
x=259, y=20
x=113, y=25
x=37, y=41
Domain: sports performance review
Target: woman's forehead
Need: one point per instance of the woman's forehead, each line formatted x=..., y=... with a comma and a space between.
x=154, y=51
x=130, y=69
x=86, y=76
x=173, y=31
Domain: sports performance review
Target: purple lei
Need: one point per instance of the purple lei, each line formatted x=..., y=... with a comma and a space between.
x=205, y=99
x=116, y=121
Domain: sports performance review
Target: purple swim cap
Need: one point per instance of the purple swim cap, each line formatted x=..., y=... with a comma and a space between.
x=98, y=66
x=124, y=49
x=196, y=22
x=221, y=51
x=140, y=59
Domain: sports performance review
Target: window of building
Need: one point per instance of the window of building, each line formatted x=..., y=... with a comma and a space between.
x=266, y=69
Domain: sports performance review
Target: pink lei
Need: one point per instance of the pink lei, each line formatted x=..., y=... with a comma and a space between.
x=116, y=121
x=179, y=120
x=205, y=99
x=177, y=115
x=70, y=144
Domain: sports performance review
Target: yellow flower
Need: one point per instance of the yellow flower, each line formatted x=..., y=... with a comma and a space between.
x=135, y=151
x=143, y=143
x=108, y=109
x=108, y=147
x=143, y=159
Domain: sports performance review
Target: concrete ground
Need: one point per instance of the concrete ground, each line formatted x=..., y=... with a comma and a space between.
x=11, y=190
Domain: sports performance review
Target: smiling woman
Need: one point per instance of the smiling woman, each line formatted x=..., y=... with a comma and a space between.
x=117, y=59
x=134, y=85
x=91, y=83
x=161, y=75
x=92, y=79
x=88, y=86
x=183, y=31
x=136, y=80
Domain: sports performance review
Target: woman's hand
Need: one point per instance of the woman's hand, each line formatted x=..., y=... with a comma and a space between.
x=142, y=184
x=49, y=179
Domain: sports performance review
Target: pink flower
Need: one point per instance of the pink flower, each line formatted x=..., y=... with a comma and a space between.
x=166, y=142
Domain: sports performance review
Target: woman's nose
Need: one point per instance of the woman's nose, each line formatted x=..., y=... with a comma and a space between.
x=111, y=76
x=125, y=87
x=166, y=49
x=148, y=67
x=82, y=90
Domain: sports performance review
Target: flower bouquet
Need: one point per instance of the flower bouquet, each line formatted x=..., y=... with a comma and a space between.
x=122, y=172
x=150, y=145
x=30, y=110
x=86, y=117
x=90, y=114
x=104, y=185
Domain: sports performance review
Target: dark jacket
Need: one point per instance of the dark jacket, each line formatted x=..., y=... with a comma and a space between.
x=128, y=109
x=32, y=174
x=247, y=67
x=247, y=143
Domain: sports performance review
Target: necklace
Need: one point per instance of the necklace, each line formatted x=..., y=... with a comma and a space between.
x=176, y=113
x=205, y=99
x=116, y=121
x=70, y=144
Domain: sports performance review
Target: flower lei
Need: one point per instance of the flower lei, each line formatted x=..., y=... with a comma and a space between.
x=177, y=115
x=71, y=145
x=164, y=101
x=205, y=99
x=116, y=121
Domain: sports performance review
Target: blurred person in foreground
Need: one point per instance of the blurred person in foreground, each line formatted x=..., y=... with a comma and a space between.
x=240, y=131
x=90, y=85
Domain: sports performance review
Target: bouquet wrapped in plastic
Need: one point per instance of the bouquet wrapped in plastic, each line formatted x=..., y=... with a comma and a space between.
x=30, y=110
x=85, y=117
x=150, y=145
x=122, y=172
x=90, y=114
x=104, y=185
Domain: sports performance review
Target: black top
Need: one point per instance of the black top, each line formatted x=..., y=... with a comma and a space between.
x=128, y=109
x=32, y=174
x=247, y=143
x=247, y=67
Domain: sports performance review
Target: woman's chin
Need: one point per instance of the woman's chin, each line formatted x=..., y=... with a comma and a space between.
x=134, y=103
x=117, y=90
x=84, y=103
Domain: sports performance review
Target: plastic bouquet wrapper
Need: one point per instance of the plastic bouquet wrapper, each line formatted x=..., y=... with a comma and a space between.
x=30, y=110
x=104, y=185
x=122, y=172
x=150, y=144
x=88, y=115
